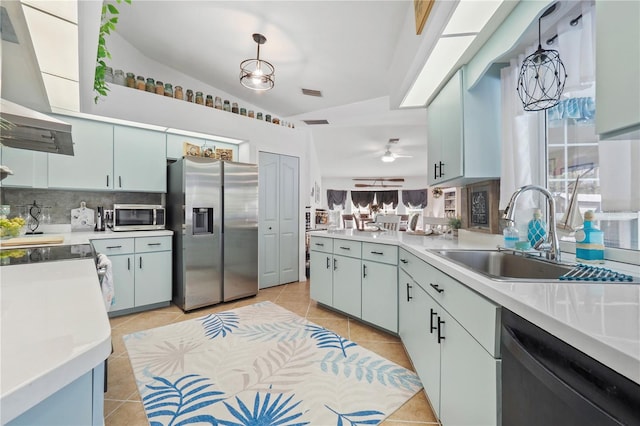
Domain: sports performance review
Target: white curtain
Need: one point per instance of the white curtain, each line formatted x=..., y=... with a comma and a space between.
x=519, y=137
x=576, y=46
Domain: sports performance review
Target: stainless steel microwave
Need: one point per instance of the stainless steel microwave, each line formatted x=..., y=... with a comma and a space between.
x=138, y=217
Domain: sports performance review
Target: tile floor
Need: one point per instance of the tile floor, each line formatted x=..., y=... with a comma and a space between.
x=122, y=404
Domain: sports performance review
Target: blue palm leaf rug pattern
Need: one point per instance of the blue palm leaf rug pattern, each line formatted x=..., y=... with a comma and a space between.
x=262, y=365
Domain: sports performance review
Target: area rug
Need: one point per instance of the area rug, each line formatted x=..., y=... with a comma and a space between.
x=262, y=365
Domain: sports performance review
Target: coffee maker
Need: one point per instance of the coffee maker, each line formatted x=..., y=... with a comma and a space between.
x=100, y=219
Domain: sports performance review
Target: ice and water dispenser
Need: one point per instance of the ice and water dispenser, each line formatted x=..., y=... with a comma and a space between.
x=202, y=220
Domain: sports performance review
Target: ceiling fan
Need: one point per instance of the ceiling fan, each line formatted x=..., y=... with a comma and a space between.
x=389, y=156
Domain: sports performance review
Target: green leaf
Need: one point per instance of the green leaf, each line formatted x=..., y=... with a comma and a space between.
x=113, y=9
x=114, y=20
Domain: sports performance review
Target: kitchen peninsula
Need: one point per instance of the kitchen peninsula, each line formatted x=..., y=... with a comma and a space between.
x=588, y=316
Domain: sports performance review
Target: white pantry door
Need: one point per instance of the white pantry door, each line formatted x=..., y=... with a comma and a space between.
x=279, y=215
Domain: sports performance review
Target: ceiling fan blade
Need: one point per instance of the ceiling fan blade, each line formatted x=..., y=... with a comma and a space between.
x=381, y=179
x=402, y=156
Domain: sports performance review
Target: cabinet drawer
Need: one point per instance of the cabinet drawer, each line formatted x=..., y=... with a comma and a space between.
x=380, y=253
x=114, y=246
x=322, y=244
x=479, y=316
x=347, y=248
x=412, y=265
x=150, y=244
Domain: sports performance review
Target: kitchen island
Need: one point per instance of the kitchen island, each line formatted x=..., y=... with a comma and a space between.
x=599, y=319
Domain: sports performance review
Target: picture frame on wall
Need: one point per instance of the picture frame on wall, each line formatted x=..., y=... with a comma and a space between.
x=480, y=204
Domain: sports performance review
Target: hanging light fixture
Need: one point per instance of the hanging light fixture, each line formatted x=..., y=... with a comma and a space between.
x=388, y=157
x=542, y=76
x=256, y=74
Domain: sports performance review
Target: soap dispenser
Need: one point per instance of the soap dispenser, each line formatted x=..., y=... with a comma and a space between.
x=589, y=241
x=511, y=236
x=536, y=229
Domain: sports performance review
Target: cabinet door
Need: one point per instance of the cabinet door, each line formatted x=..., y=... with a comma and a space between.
x=434, y=144
x=140, y=162
x=469, y=378
x=123, y=281
x=29, y=168
x=153, y=278
x=347, y=291
x=451, y=126
x=380, y=295
x=91, y=166
x=321, y=277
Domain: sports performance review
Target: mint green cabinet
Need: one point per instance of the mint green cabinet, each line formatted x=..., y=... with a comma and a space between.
x=463, y=131
x=139, y=159
x=380, y=294
x=417, y=323
x=321, y=277
x=29, y=168
x=347, y=290
x=617, y=68
x=142, y=271
x=91, y=166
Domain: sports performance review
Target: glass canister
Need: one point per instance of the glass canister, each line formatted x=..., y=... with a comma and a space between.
x=118, y=78
x=218, y=103
x=108, y=75
x=151, y=85
x=267, y=118
x=234, y=108
x=140, y=84
x=159, y=88
x=131, y=80
x=226, y=106
x=251, y=114
x=199, y=98
x=259, y=116
x=243, y=111
x=276, y=120
x=209, y=101
x=189, y=95
x=178, y=93
x=168, y=90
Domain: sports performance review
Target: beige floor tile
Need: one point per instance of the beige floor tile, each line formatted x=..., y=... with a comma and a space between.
x=121, y=383
x=403, y=423
x=390, y=350
x=299, y=287
x=129, y=414
x=118, y=321
x=359, y=332
x=292, y=298
x=318, y=311
x=298, y=308
x=142, y=321
x=417, y=409
x=110, y=405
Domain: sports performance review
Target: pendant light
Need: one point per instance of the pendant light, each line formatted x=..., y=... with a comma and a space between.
x=256, y=74
x=542, y=76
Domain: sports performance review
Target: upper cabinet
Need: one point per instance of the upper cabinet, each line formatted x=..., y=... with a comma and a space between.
x=139, y=160
x=617, y=68
x=463, y=131
x=29, y=167
x=91, y=166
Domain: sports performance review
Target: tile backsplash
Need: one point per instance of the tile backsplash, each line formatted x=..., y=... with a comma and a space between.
x=61, y=201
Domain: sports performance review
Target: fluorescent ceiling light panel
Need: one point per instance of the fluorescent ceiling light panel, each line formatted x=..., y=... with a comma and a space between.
x=442, y=59
x=62, y=93
x=66, y=9
x=471, y=16
x=55, y=42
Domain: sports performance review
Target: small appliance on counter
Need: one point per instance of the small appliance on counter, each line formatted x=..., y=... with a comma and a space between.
x=138, y=217
x=100, y=220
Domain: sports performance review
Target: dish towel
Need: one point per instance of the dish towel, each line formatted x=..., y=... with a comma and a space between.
x=108, y=290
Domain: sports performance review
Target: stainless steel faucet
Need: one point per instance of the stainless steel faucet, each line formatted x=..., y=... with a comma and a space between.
x=550, y=246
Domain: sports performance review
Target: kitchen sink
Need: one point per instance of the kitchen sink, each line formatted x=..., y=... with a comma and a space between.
x=506, y=266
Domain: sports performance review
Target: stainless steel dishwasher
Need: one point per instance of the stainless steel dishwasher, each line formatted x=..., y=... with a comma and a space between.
x=545, y=381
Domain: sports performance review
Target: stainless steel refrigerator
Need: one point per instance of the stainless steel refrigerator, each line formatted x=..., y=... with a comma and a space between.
x=212, y=208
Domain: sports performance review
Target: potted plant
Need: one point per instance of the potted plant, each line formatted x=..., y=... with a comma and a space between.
x=455, y=223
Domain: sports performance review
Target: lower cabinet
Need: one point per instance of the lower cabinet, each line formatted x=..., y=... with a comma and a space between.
x=460, y=375
x=359, y=279
x=141, y=271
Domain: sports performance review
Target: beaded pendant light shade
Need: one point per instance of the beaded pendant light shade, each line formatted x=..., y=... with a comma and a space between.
x=542, y=76
x=257, y=74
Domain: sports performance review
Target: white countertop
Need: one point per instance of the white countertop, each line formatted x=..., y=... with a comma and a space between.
x=600, y=319
x=54, y=327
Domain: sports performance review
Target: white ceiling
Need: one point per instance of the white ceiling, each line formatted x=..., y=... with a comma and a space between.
x=342, y=48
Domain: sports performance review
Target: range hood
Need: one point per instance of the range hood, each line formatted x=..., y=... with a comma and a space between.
x=29, y=129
